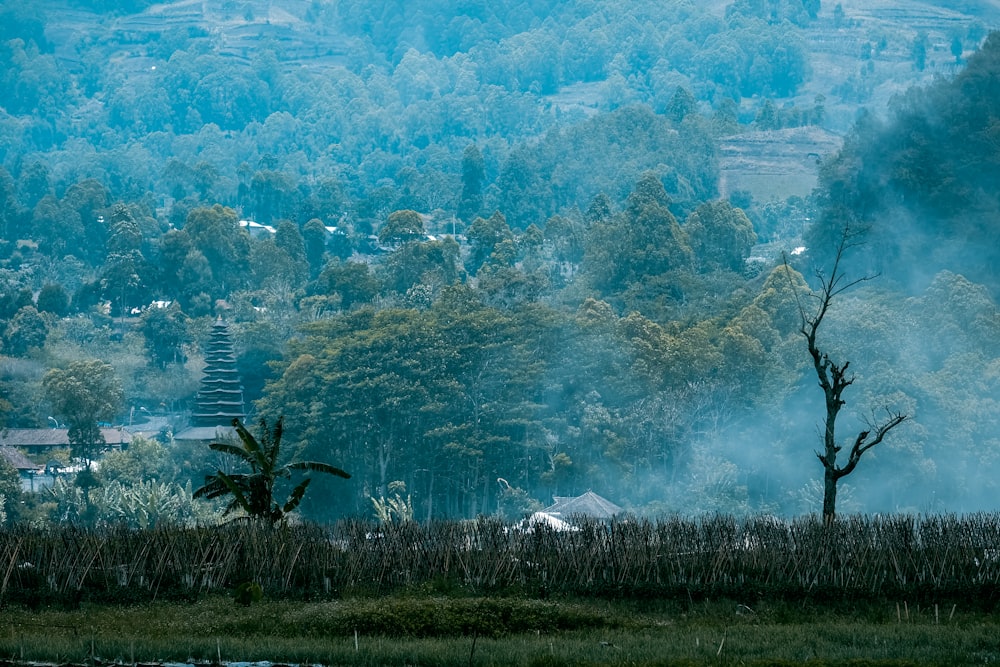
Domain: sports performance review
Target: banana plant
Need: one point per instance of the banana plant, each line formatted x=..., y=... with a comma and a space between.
x=253, y=492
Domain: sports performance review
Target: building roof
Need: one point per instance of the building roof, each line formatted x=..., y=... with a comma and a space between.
x=545, y=519
x=55, y=437
x=17, y=459
x=206, y=433
x=588, y=505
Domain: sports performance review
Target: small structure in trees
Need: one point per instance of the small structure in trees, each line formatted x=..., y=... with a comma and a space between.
x=834, y=378
x=589, y=505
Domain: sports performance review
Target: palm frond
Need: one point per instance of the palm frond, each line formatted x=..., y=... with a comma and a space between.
x=212, y=488
x=233, y=450
x=239, y=499
x=295, y=497
x=316, y=466
x=251, y=446
x=274, y=439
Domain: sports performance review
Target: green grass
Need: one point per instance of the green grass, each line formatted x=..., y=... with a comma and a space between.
x=429, y=630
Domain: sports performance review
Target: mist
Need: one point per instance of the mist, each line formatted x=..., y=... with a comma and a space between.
x=481, y=258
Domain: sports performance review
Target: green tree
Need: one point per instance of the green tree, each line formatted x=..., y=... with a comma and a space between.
x=13, y=298
x=25, y=331
x=566, y=237
x=351, y=283
x=767, y=117
x=314, y=240
x=288, y=237
x=641, y=242
x=473, y=171
x=165, y=332
x=253, y=492
x=273, y=268
x=183, y=272
x=401, y=226
x=274, y=196
x=681, y=104
x=205, y=178
x=432, y=263
x=10, y=490
x=57, y=228
x=53, y=298
x=84, y=393
x=145, y=459
x=34, y=183
x=956, y=48
x=484, y=235
x=216, y=233
x=121, y=273
x=11, y=213
x=918, y=51
x=721, y=236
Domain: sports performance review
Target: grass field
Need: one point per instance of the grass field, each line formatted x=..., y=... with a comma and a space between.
x=430, y=630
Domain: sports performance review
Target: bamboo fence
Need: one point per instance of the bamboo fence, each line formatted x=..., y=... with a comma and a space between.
x=939, y=557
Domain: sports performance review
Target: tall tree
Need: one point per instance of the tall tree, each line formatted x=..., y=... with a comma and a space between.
x=84, y=393
x=124, y=261
x=834, y=379
x=721, y=236
x=484, y=236
x=314, y=240
x=165, y=331
x=217, y=234
x=473, y=172
x=642, y=241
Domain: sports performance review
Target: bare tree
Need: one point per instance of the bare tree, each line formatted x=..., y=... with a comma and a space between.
x=834, y=379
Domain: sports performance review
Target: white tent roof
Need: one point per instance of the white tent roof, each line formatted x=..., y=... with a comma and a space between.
x=549, y=521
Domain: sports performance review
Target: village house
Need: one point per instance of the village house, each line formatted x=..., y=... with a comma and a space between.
x=26, y=469
x=40, y=441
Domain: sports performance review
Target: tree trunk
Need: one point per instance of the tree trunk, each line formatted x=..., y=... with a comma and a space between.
x=829, y=495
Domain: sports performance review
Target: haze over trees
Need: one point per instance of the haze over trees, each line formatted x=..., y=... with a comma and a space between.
x=502, y=242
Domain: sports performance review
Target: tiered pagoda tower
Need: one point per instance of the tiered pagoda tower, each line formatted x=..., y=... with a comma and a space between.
x=220, y=398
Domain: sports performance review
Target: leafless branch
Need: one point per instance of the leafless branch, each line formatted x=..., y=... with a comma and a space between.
x=870, y=438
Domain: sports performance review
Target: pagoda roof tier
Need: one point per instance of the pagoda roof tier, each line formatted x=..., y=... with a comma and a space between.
x=220, y=376
x=220, y=395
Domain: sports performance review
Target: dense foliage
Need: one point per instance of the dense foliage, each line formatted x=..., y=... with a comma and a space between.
x=480, y=253
x=923, y=180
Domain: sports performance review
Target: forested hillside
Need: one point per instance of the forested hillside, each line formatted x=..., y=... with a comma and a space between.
x=483, y=255
x=923, y=180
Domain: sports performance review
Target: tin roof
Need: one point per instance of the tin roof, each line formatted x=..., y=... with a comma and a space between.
x=589, y=504
x=17, y=459
x=55, y=437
